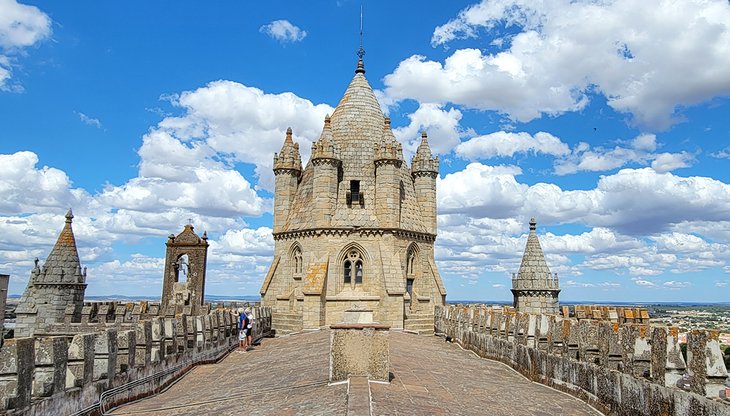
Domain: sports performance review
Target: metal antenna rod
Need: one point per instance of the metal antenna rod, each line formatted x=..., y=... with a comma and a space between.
x=361, y=51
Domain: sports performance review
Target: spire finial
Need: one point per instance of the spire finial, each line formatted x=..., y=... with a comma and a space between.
x=361, y=51
x=69, y=216
x=533, y=224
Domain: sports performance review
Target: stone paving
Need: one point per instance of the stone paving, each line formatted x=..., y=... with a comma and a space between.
x=288, y=376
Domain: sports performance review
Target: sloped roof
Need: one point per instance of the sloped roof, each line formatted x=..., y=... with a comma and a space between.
x=533, y=266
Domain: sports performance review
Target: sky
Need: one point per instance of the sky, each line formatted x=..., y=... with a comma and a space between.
x=607, y=121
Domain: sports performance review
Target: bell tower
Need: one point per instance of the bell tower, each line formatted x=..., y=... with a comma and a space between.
x=184, y=280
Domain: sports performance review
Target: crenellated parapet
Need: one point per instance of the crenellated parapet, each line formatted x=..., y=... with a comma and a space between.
x=68, y=374
x=594, y=360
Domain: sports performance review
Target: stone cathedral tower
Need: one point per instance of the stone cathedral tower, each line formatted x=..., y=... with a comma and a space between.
x=535, y=290
x=183, y=286
x=59, y=283
x=354, y=229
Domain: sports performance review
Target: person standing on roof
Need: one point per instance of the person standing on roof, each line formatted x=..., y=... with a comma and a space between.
x=243, y=322
x=249, y=327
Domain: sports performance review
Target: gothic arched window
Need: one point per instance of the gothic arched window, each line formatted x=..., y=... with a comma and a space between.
x=182, y=269
x=353, y=264
x=297, y=261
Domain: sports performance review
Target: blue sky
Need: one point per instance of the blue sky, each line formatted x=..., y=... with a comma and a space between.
x=606, y=121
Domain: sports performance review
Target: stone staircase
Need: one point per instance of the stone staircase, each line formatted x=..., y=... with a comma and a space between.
x=284, y=323
x=420, y=323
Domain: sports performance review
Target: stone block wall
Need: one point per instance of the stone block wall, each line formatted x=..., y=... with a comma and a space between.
x=68, y=374
x=622, y=369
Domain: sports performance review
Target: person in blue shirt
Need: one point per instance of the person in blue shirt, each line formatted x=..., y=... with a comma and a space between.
x=243, y=323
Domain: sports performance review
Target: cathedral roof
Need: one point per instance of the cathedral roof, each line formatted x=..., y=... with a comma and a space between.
x=358, y=120
x=62, y=265
x=533, y=266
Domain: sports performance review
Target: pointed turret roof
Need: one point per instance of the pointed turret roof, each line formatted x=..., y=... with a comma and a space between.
x=324, y=147
x=63, y=265
x=289, y=157
x=533, y=266
x=422, y=161
x=389, y=148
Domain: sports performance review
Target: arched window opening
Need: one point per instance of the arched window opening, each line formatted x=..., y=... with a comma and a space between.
x=358, y=272
x=353, y=269
x=410, y=262
x=348, y=272
x=183, y=269
x=297, y=261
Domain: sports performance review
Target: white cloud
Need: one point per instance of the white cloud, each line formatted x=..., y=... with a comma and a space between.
x=583, y=158
x=673, y=284
x=723, y=153
x=442, y=127
x=283, y=31
x=565, y=50
x=234, y=122
x=90, y=120
x=506, y=144
x=21, y=26
x=645, y=283
x=666, y=162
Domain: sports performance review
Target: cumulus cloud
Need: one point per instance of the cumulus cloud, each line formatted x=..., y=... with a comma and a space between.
x=442, y=127
x=666, y=162
x=584, y=158
x=506, y=144
x=240, y=123
x=21, y=26
x=564, y=51
x=673, y=284
x=283, y=31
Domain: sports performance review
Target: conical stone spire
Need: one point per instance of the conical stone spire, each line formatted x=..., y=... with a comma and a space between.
x=289, y=158
x=59, y=283
x=534, y=288
x=389, y=148
x=324, y=148
x=422, y=162
x=62, y=264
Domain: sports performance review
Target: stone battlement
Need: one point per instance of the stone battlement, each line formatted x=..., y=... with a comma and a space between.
x=624, y=368
x=85, y=373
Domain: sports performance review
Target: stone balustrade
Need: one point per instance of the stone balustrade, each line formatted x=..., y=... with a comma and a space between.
x=625, y=368
x=68, y=374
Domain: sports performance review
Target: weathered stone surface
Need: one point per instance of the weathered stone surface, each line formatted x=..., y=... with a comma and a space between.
x=359, y=350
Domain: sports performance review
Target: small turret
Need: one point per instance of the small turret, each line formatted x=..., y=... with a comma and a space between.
x=287, y=169
x=288, y=159
x=326, y=164
x=389, y=149
x=425, y=170
x=422, y=162
x=58, y=283
x=324, y=148
x=388, y=195
x=534, y=288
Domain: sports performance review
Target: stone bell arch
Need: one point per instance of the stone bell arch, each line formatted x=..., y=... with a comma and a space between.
x=183, y=286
